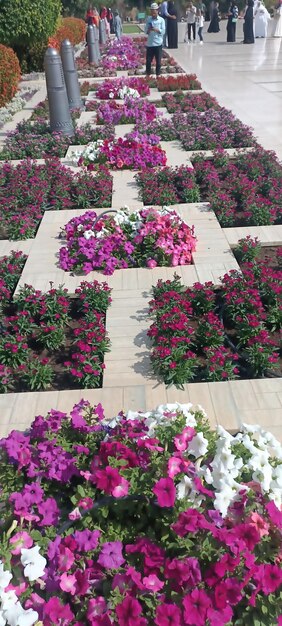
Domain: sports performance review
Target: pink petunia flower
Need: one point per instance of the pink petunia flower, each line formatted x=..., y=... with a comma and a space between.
x=165, y=492
x=195, y=606
x=152, y=583
x=168, y=615
x=20, y=540
x=68, y=583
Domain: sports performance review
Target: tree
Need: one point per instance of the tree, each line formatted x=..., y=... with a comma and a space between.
x=27, y=22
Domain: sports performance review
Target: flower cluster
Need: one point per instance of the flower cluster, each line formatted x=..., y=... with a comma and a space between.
x=132, y=111
x=145, y=519
x=118, y=88
x=244, y=190
x=205, y=334
x=121, y=54
x=10, y=271
x=144, y=238
x=16, y=104
x=35, y=140
x=135, y=152
x=168, y=186
x=174, y=83
x=49, y=341
x=215, y=129
x=28, y=189
x=179, y=101
x=160, y=126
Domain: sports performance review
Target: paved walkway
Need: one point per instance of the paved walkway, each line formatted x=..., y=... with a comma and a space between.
x=244, y=78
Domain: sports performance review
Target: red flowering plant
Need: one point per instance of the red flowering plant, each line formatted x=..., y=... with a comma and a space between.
x=27, y=190
x=11, y=267
x=49, y=341
x=207, y=334
x=241, y=190
x=215, y=129
x=168, y=185
x=144, y=238
x=134, y=151
x=179, y=101
x=174, y=83
x=141, y=519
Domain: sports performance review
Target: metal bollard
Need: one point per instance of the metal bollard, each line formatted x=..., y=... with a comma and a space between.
x=70, y=74
x=96, y=40
x=91, y=48
x=59, y=113
x=104, y=31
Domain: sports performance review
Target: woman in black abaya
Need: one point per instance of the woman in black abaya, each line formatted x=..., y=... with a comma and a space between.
x=249, y=23
x=214, y=23
x=172, y=27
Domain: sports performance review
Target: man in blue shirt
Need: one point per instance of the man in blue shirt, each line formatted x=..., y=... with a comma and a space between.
x=155, y=29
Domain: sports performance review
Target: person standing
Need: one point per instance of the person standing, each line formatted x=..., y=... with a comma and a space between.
x=200, y=25
x=233, y=14
x=117, y=25
x=249, y=23
x=277, y=27
x=110, y=19
x=172, y=27
x=155, y=29
x=261, y=20
x=214, y=23
x=191, y=21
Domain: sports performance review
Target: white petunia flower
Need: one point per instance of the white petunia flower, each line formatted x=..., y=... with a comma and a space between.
x=34, y=564
x=198, y=446
x=184, y=488
x=5, y=577
x=88, y=234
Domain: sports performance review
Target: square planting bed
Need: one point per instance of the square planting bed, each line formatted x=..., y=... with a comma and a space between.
x=28, y=190
x=51, y=341
x=206, y=334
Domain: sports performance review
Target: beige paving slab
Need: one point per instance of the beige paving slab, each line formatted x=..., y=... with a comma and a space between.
x=125, y=190
x=225, y=406
x=86, y=117
x=175, y=154
x=6, y=247
x=266, y=234
x=269, y=401
x=122, y=129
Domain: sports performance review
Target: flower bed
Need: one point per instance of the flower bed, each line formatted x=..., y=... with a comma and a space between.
x=145, y=238
x=134, y=152
x=27, y=190
x=131, y=112
x=17, y=103
x=121, y=54
x=35, y=140
x=242, y=191
x=179, y=101
x=174, y=83
x=161, y=126
x=215, y=129
x=250, y=250
x=168, y=186
x=208, y=334
x=11, y=267
x=145, y=519
x=110, y=89
x=49, y=341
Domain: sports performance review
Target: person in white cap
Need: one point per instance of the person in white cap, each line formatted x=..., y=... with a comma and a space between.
x=155, y=29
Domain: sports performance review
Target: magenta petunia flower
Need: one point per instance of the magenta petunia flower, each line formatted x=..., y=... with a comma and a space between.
x=129, y=612
x=111, y=556
x=165, y=492
x=107, y=479
x=168, y=615
x=195, y=606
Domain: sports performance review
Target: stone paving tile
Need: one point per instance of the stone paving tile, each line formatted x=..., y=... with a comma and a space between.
x=6, y=246
x=125, y=190
x=23, y=114
x=266, y=234
x=122, y=129
x=176, y=155
x=224, y=404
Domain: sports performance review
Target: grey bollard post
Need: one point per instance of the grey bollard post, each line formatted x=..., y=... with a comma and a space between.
x=96, y=40
x=104, y=35
x=59, y=113
x=70, y=74
x=91, y=49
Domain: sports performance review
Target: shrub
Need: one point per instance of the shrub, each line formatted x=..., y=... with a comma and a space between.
x=69, y=28
x=9, y=74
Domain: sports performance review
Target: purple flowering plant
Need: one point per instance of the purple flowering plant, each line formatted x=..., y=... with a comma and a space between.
x=141, y=519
